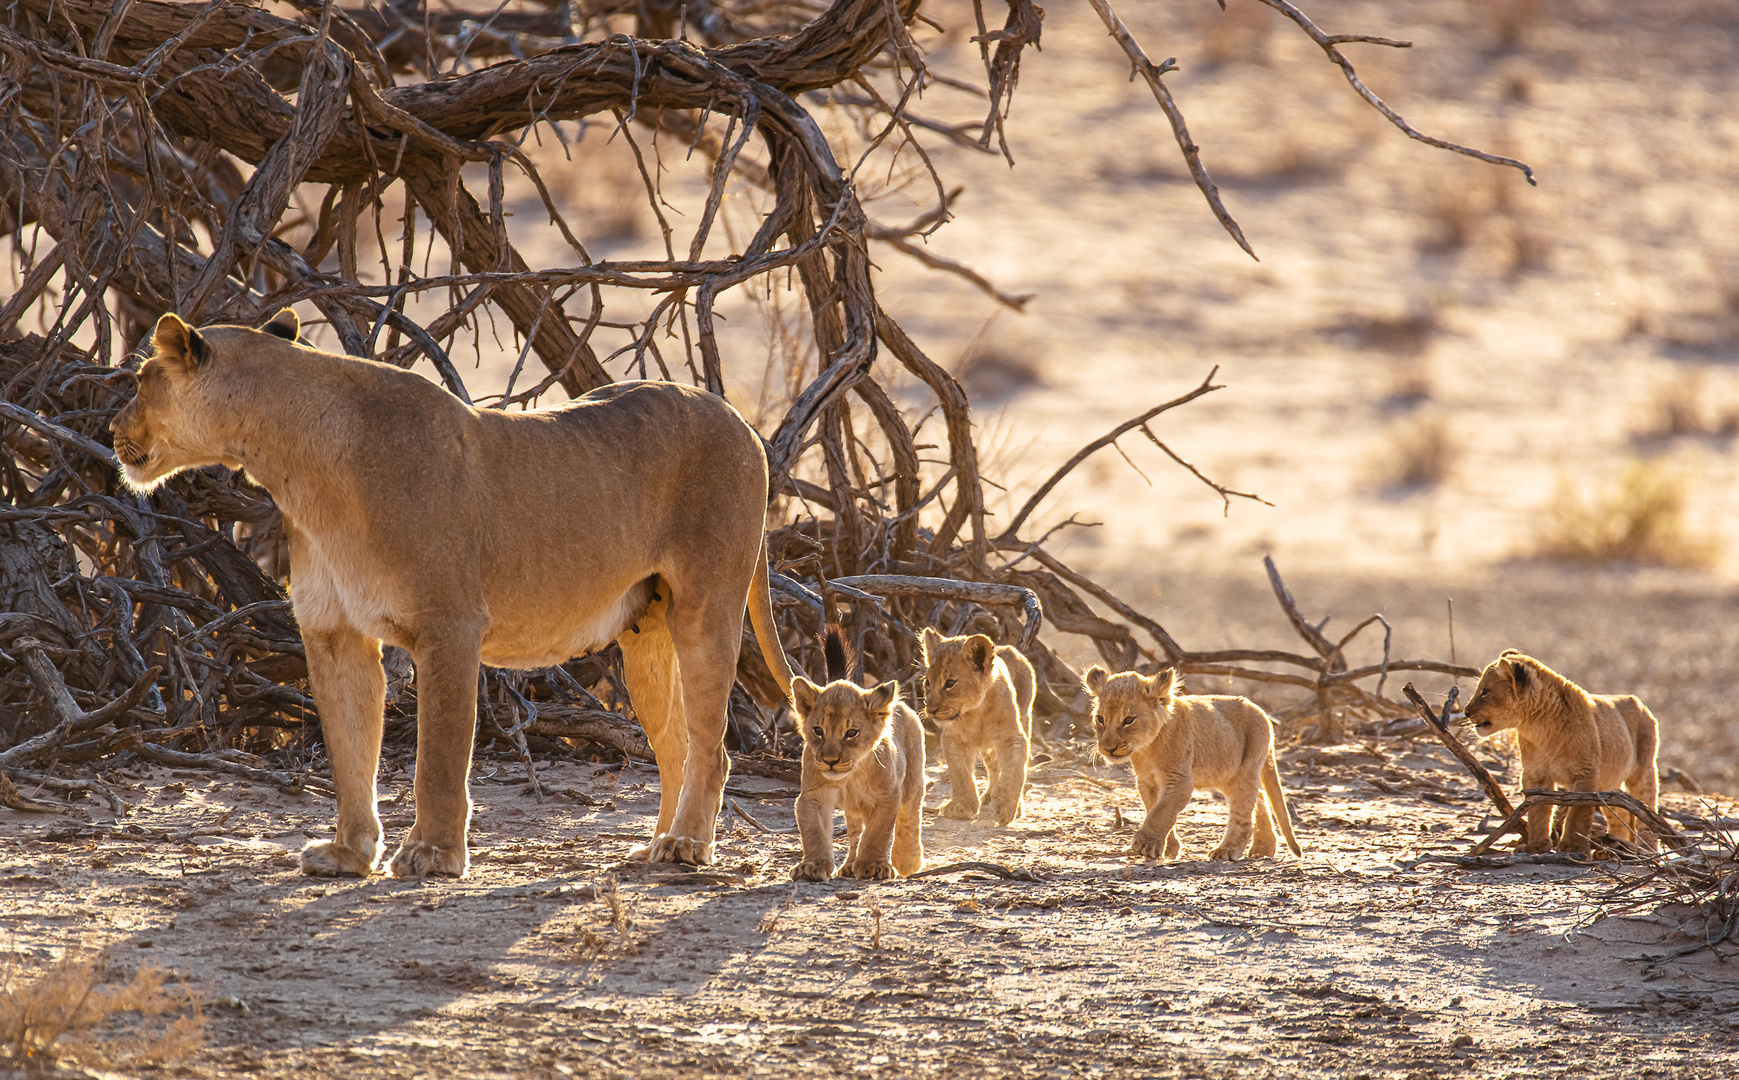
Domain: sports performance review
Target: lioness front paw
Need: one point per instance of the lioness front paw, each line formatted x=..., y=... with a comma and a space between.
x=419, y=858
x=681, y=849
x=867, y=870
x=1148, y=847
x=958, y=811
x=812, y=870
x=328, y=858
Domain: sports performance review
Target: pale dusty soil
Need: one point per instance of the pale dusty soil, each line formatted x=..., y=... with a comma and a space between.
x=1361, y=960
x=1542, y=342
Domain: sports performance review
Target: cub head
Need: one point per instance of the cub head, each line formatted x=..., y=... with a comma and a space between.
x=185, y=398
x=958, y=672
x=841, y=724
x=1129, y=709
x=1507, y=688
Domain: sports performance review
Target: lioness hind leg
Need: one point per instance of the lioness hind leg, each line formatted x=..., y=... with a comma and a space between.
x=446, y=731
x=350, y=690
x=650, y=667
x=707, y=640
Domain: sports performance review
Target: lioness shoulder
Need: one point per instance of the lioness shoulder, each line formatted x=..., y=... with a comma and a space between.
x=1179, y=744
x=1573, y=740
x=980, y=695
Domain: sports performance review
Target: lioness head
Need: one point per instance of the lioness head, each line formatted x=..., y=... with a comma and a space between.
x=185, y=396
x=1507, y=688
x=1129, y=709
x=842, y=724
x=958, y=672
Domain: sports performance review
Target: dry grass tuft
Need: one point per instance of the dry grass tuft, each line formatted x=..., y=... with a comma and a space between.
x=1239, y=34
x=59, y=1011
x=1681, y=408
x=1510, y=21
x=1421, y=453
x=1641, y=520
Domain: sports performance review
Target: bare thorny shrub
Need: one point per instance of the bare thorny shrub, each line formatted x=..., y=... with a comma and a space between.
x=223, y=160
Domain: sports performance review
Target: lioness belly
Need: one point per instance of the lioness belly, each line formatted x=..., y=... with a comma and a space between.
x=561, y=632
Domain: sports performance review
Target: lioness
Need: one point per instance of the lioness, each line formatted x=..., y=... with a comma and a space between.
x=520, y=539
x=981, y=695
x=1181, y=743
x=863, y=752
x=1570, y=739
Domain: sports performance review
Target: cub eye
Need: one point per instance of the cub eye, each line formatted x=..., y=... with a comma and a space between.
x=851, y=734
x=948, y=685
x=1128, y=720
x=817, y=730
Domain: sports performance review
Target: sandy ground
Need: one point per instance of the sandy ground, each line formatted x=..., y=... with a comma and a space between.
x=1366, y=958
x=1542, y=330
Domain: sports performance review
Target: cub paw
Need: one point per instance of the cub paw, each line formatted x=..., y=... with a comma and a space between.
x=1226, y=853
x=681, y=849
x=958, y=811
x=419, y=858
x=870, y=871
x=812, y=870
x=1147, y=847
x=328, y=858
x=1007, y=814
x=1264, y=849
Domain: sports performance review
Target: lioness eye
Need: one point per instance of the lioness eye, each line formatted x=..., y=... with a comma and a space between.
x=816, y=729
x=948, y=685
x=852, y=734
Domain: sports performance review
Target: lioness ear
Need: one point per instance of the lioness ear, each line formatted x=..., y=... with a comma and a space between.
x=284, y=324
x=981, y=651
x=1094, y=680
x=882, y=697
x=928, y=640
x=803, y=695
x=178, y=343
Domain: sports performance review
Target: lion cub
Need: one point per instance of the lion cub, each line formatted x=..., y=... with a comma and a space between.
x=981, y=695
x=863, y=752
x=1570, y=739
x=1179, y=743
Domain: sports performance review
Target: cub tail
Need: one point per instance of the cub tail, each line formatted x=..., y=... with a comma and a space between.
x=838, y=653
x=1277, y=803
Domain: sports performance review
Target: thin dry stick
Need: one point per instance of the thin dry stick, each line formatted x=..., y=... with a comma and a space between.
x=1440, y=727
x=1192, y=155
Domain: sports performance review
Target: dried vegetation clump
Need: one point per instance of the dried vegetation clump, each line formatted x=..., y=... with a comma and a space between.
x=68, y=1011
x=379, y=165
x=1640, y=520
x=1419, y=453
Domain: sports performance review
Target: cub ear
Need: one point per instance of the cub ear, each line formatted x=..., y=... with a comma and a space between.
x=1094, y=680
x=1519, y=675
x=981, y=651
x=882, y=698
x=284, y=324
x=1160, y=686
x=803, y=695
x=929, y=640
x=179, y=344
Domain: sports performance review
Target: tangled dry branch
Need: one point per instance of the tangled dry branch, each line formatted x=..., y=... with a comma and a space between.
x=222, y=160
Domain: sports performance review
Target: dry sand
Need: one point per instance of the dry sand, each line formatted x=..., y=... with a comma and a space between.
x=1401, y=290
